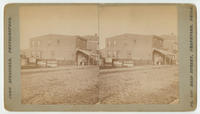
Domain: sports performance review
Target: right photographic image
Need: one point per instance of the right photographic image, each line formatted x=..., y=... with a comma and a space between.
x=138, y=54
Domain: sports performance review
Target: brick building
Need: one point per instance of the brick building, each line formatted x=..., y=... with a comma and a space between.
x=63, y=48
x=142, y=49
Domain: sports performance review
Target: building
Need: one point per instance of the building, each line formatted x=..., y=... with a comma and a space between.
x=92, y=42
x=142, y=49
x=93, y=46
x=170, y=42
x=65, y=49
x=171, y=45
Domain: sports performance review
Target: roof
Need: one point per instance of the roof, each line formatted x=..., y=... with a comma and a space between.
x=163, y=51
x=169, y=37
x=129, y=35
x=91, y=37
x=55, y=36
x=85, y=51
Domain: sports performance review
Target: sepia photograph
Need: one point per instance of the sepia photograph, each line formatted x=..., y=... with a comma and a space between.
x=99, y=54
x=139, y=54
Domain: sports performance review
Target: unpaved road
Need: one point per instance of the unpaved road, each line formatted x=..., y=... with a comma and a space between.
x=76, y=86
x=157, y=86
x=86, y=86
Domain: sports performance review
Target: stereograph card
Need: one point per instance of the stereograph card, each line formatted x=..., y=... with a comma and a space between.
x=100, y=57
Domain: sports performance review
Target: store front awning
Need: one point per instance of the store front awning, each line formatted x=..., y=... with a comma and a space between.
x=86, y=52
x=163, y=52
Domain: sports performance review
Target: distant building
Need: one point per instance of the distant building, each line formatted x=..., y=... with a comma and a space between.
x=92, y=42
x=63, y=48
x=142, y=49
x=93, y=46
x=170, y=44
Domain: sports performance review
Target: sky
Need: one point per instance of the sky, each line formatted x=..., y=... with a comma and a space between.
x=141, y=19
x=37, y=20
x=105, y=20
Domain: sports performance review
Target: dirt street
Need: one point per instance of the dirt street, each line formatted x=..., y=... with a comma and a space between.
x=78, y=86
x=85, y=86
x=157, y=86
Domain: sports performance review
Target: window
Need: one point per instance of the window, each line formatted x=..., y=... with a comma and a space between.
x=38, y=44
x=114, y=43
x=109, y=53
x=52, y=53
x=129, y=54
x=32, y=44
x=117, y=53
x=38, y=54
x=33, y=53
x=49, y=43
x=58, y=42
x=114, y=54
x=109, y=43
x=125, y=44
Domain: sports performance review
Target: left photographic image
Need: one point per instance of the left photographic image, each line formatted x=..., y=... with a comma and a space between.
x=59, y=54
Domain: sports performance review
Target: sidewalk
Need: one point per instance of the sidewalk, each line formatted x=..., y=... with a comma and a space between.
x=55, y=69
x=146, y=67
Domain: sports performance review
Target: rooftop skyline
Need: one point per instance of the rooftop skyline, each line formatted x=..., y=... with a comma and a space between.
x=106, y=20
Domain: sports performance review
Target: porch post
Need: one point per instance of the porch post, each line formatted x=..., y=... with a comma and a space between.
x=153, y=58
x=76, y=58
x=88, y=60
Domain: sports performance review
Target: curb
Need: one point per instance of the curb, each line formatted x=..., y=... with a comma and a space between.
x=134, y=68
x=53, y=69
x=100, y=71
